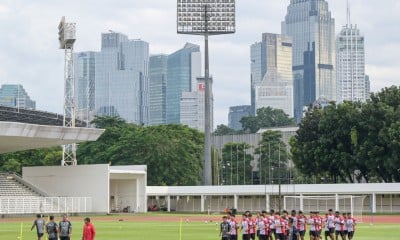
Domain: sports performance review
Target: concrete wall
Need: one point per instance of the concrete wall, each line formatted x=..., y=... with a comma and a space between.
x=73, y=181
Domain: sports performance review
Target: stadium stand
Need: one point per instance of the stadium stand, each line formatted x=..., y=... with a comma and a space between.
x=11, y=185
x=10, y=114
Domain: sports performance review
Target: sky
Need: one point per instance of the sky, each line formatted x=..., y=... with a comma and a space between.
x=29, y=53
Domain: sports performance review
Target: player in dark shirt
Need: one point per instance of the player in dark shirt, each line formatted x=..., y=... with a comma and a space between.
x=52, y=229
x=65, y=228
x=39, y=223
x=225, y=229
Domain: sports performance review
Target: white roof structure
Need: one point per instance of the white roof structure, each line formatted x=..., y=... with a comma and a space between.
x=293, y=189
x=22, y=136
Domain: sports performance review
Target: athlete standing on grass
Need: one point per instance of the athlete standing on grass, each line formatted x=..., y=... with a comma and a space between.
x=234, y=227
x=344, y=226
x=301, y=224
x=245, y=228
x=338, y=226
x=65, y=228
x=52, y=229
x=39, y=223
x=330, y=221
x=89, y=232
x=350, y=223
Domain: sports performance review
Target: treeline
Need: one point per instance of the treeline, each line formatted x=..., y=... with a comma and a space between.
x=173, y=153
x=351, y=142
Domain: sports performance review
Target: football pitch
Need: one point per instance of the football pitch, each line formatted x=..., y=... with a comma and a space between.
x=164, y=226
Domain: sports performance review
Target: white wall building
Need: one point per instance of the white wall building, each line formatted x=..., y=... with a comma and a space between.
x=192, y=106
x=350, y=60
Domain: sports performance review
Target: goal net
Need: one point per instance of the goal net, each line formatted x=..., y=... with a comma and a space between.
x=341, y=203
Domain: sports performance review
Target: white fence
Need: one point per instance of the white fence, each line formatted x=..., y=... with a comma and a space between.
x=34, y=205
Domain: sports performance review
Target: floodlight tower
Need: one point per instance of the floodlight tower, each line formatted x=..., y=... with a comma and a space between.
x=66, y=38
x=206, y=17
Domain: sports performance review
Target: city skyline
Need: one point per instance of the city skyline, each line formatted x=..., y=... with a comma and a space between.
x=32, y=43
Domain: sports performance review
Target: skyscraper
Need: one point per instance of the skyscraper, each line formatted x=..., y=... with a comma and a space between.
x=121, y=82
x=157, y=89
x=85, y=85
x=184, y=66
x=350, y=62
x=14, y=95
x=236, y=113
x=312, y=28
x=192, y=106
x=271, y=69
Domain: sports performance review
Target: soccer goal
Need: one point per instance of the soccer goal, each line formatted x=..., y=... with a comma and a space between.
x=342, y=203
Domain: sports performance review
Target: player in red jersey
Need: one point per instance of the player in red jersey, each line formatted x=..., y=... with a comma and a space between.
x=89, y=232
x=301, y=224
x=245, y=228
x=279, y=227
x=344, y=226
x=351, y=226
x=252, y=226
x=272, y=233
x=318, y=225
x=234, y=227
x=263, y=226
x=313, y=228
x=330, y=221
x=338, y=220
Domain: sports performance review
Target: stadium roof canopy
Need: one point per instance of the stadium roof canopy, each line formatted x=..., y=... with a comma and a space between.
x=23, y=136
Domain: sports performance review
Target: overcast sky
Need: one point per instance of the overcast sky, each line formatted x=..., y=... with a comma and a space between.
x=29, y=53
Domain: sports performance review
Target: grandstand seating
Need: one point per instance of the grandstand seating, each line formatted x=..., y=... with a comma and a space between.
x=13, y=186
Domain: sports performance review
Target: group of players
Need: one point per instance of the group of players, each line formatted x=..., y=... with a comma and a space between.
x=285, y=226
x=61, y=231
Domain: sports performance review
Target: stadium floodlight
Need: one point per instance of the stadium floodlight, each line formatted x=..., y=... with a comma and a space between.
x=66, y=39
x=206, y=17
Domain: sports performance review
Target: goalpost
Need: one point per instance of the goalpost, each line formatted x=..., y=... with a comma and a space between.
x=322, y=203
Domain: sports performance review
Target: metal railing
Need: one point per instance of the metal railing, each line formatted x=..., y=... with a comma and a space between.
x=34, y=205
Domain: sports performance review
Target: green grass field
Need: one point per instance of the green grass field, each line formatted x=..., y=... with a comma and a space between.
x=112, y=229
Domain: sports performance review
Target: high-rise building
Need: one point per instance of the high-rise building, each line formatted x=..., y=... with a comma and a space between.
x=157, y=89
x=192, y=106
x=272, y=77
x=236, y=113
x=312, y=28
x=14, y=95
x=367, y=86
x=85, y=74
x=184, y=66
x=350, y=62
x=121, y=78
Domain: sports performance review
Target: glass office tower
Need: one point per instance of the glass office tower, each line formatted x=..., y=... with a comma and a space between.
x=157, y=89
x=14, y=95
x=184, y=66
x=85, y=85
x=272, y=77
x=121, y=82
x=312, y=28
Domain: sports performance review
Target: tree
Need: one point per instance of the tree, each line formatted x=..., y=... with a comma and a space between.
x=13, y=162
x=224, y=130
x=352, y=141
x=234, y=167
x=273, y=159
x=266, y=118
x=172, y=153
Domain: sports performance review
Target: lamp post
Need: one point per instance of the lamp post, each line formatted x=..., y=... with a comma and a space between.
x=66, y=39
x=206, y=17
